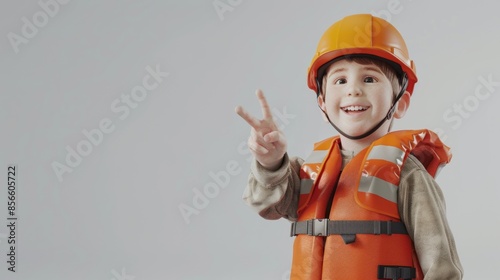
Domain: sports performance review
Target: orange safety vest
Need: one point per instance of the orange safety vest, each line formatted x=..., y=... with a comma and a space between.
x=364, y=192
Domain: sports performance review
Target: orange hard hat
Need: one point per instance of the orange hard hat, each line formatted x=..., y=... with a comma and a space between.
x=362, y=34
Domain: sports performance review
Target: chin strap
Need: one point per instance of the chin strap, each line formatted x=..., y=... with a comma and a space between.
x=379, y=124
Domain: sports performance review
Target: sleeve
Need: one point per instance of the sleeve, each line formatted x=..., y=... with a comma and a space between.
x=422, y=209
x=274, y=194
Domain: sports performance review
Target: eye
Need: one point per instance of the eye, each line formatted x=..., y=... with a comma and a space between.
x=340, y=81
x=369, y=80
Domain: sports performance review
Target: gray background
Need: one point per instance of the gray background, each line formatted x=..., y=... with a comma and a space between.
x=117, y=214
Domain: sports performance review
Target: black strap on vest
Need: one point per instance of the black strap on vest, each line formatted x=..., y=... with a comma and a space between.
x=346, y=229
x=396, y=272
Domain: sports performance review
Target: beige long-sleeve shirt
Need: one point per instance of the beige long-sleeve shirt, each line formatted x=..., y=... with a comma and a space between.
x=275, y=194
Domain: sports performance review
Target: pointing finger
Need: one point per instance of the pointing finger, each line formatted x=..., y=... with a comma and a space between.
x=266, y=111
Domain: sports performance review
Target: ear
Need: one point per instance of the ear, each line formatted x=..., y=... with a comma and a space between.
x=402, y=106
x=322, y=105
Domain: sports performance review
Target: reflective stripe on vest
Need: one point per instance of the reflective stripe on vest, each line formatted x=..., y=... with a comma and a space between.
x=378, y=187
x=310, y=168
x=370, y=183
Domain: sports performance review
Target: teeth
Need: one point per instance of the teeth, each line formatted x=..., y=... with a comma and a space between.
x=354, y=108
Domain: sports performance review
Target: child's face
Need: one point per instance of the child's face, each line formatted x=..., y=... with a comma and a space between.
x=357, y=97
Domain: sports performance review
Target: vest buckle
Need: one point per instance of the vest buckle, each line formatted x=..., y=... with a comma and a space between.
x=317, y=227
x=396, y=272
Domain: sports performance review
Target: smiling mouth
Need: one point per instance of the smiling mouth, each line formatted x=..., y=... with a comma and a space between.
x=354, y=108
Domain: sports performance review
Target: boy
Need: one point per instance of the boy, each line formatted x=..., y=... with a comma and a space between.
x=364, y=205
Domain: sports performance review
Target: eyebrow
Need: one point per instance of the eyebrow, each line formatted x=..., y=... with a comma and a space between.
x=372, y=68
x=366, y=68
x=335, y=71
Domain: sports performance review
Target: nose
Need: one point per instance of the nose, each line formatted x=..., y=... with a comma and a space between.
x=354, y=89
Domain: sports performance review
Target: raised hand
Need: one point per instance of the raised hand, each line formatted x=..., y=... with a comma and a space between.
x=266, y=142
